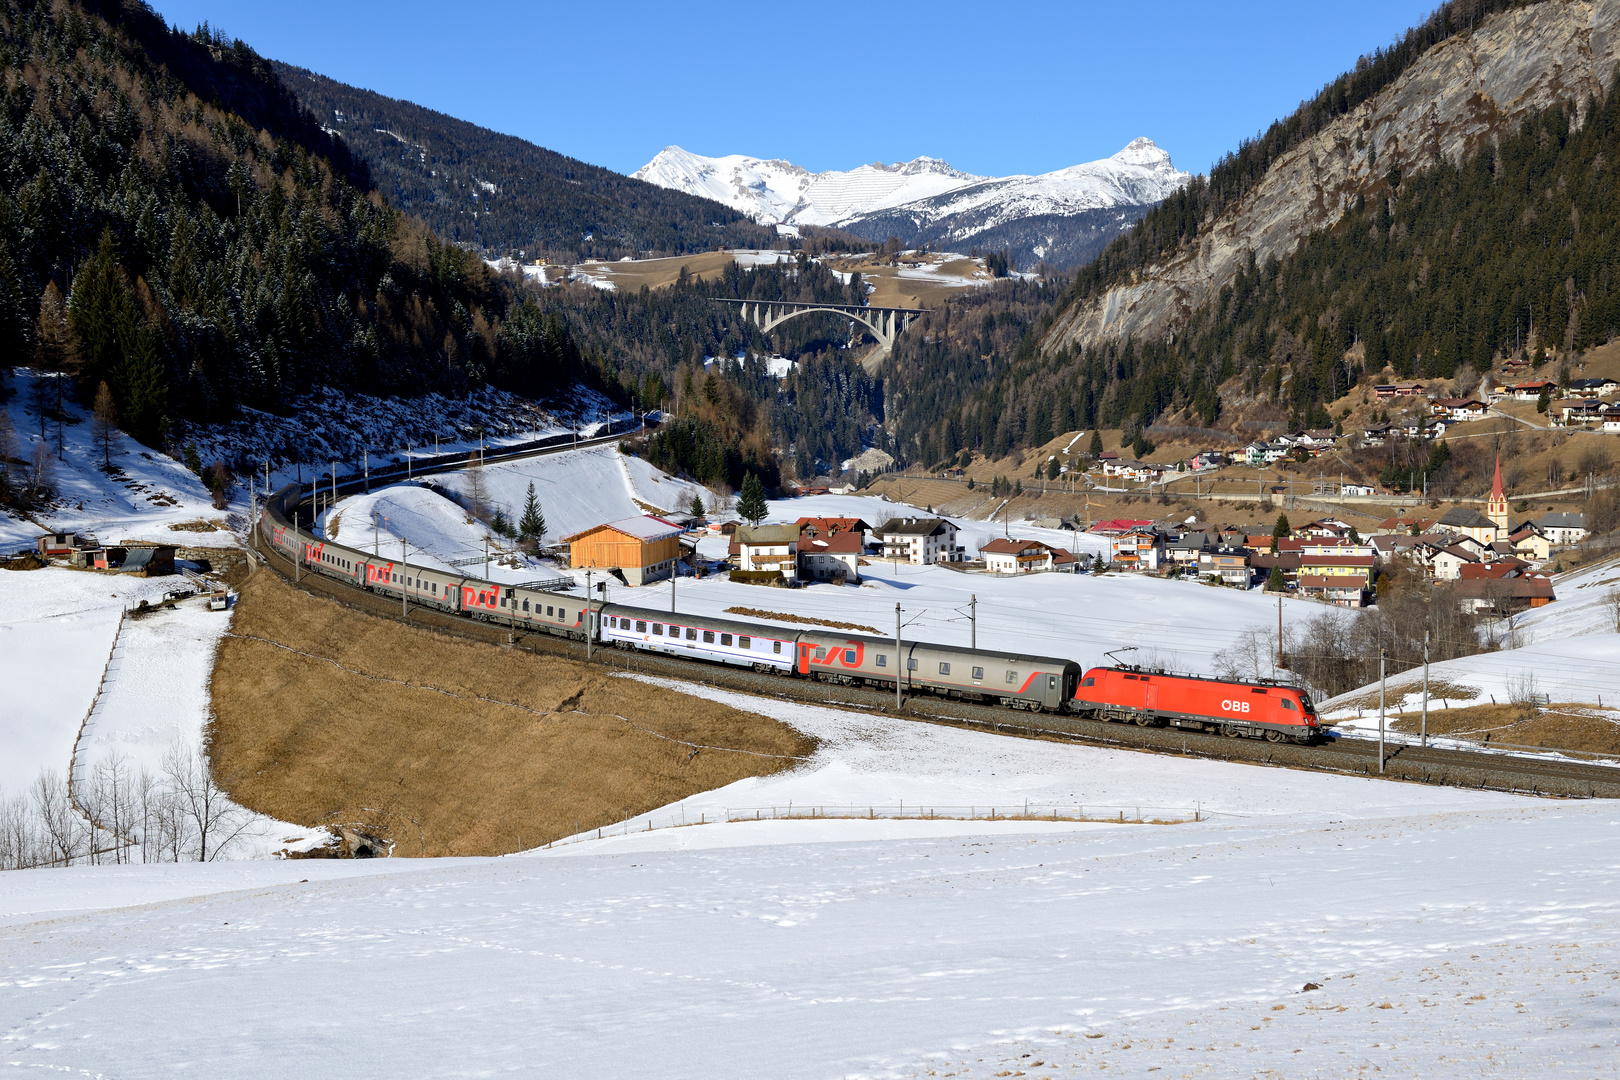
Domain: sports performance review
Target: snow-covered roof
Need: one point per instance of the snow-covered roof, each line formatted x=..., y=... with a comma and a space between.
x=642, y=527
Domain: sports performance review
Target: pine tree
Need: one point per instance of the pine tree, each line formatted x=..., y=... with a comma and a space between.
x=1276, y=582
x=1282, y=529
x=498, y=523
x=1096, y=448
x=697, y=506
x=752, y=507
x=532, y=523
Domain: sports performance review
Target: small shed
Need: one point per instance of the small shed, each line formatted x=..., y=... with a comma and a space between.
x=147, y=558
x=58, y=545
x=643, y=548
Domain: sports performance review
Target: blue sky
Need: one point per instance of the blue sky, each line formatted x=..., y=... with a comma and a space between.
x=994, y=89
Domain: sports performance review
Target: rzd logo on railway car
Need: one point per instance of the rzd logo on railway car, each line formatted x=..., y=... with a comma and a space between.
x=1235, y=705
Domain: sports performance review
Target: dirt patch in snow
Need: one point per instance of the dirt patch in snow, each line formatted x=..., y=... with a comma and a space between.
x=326, y=716
x=1556, y=726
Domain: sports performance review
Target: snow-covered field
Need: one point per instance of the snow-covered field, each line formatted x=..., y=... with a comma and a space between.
x=1448, y=933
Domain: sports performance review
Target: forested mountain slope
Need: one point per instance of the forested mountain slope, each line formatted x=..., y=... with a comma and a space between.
x=174, y=224
x=1450, y=200
x=502, y=194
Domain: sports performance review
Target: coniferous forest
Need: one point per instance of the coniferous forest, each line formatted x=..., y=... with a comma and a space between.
x=1451, y=266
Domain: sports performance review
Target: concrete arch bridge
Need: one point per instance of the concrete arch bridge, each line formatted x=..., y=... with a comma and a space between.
x=883, y=323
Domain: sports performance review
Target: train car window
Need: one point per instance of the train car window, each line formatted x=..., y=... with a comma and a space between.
x=725, y=639
x=549, y=610
x=849, y=656
x=562, y=613
x=1051, y=682
x=978, y=673
x=1289, y=705
x=674, y=631
x=658, y=628
x=691, y=633
x=745, y=643
x=944, y=668
x=882, y=659
x=525, y=607
x=641, y=627
x=1012, y=676
x=1089, y=682
x=911, y=663
x=435, y=587
x=821, y=652
x=776, y=647
x=708, y=636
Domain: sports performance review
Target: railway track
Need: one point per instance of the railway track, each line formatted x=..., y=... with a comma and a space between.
x=1359, y=757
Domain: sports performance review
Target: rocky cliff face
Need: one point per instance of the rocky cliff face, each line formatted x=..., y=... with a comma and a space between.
x=1453, y=99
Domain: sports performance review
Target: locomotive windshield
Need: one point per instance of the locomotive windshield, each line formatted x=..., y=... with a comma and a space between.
x=1305, y=700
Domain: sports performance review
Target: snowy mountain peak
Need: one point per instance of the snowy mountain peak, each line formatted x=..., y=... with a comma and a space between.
x=1142, y=151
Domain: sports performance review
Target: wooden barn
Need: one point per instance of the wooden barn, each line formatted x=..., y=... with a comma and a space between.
x=643, y=548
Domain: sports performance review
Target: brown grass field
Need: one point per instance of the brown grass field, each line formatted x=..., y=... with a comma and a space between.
x=1558, y=726
x=659, y=273
x=326, y=716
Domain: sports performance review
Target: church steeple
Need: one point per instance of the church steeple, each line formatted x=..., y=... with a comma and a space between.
x=1496, y=508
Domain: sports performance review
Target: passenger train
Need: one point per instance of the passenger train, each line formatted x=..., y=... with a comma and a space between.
x=1271, y=711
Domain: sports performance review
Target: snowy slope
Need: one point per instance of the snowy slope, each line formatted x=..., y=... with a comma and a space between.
x=925, y=190
x=1449, y=934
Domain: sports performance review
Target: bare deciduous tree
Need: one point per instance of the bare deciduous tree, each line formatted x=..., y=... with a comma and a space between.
x=105, y=423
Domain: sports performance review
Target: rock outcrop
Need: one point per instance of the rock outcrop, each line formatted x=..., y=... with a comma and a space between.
x=1456, y=96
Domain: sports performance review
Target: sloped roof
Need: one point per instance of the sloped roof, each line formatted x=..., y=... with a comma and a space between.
x=641, y=527
x=1562, y=521
x=768, y=534
x=1466, y=518
x=838, y=543
x=927, y=526
x=1003, y=546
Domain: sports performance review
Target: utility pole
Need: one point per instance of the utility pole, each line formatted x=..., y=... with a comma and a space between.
x=1279, y=634
x=486, y=556
x=1380, y=712
x=1425, y=728
x=973, y=620
x=899, y=660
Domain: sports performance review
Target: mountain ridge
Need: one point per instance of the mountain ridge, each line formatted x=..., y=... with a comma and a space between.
x=927, y=201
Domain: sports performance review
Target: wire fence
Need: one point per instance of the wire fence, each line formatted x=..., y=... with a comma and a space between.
x=681, y=817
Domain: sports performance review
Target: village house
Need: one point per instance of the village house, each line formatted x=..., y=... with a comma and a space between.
x=1394, y=390
x=642, y=548
x=1470, y=522
x=1592, y=388
x=764, y=548
x=1375, y=435
x=832, y=556
x=1577, y=411
x=1231, y=565
x=919, y=541
x=1008, y=556
x=1530, y=391
x=1529, y=542
x=1118, y=526
x=1458, y=409
x=1562, y=530
x=1139, y=549
x=827, y=526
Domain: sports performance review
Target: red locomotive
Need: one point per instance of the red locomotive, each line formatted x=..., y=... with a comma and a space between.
x=1237, y=710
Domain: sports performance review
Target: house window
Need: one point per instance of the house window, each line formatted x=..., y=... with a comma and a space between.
x=882, y=659
x=1012, y=676
x=708, y=636
x=725, y=639
x=745, y=643
x=978, y=673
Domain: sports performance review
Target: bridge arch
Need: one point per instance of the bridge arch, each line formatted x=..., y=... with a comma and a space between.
x=884, y=323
